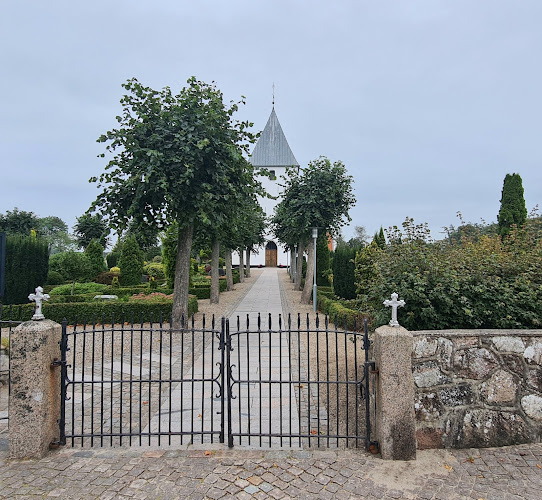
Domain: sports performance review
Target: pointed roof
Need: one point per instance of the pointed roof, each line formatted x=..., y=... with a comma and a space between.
x=272, y=149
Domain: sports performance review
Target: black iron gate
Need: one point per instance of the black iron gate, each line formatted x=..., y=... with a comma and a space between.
x=300, y=384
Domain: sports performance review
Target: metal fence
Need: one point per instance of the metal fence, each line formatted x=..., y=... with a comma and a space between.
x=135, y=383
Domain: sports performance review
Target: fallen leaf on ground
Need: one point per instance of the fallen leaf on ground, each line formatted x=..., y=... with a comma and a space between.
x=448, y=467
x=145, y=402
x=538, y=465
x=207, y=453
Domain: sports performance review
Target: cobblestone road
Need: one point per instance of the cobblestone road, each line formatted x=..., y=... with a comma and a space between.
x=493, y=473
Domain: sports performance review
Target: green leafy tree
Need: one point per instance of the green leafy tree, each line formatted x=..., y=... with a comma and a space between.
x=73, y=266
x=179, y=159
x=91, y=227
x=95, y=255
x=19, y=222
x=130, y=263
x=319, y=196
x=513, y=210
x=379, y=239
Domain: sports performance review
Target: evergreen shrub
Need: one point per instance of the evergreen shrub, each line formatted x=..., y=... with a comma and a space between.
x=87, y=312
x=27, y=266
x=130, y=263
x=54, y=278
x=344, y=279
x=95, y=255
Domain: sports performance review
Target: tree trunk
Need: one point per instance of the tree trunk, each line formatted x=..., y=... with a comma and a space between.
x=241, y=267
x=229, y=275
x=182, y=277
x=299, y=276
x=307, y=289
x=215, y=290
x=292, y=263
x=248, y=262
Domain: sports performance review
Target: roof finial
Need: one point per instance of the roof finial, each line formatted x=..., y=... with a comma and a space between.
x=273, y=95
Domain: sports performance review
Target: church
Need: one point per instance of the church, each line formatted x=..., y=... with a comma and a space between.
x=273, y=153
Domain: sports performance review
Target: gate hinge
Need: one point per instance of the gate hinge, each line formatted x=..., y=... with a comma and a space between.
x=58, y=362
x=372, y=367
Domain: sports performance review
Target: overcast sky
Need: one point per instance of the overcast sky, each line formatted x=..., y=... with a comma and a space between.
x=428, y=103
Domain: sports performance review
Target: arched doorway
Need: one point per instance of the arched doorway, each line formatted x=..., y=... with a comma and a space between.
x=270, y=254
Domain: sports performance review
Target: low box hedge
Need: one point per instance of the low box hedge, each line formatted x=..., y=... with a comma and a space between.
x=98, y=311
x=339, y=314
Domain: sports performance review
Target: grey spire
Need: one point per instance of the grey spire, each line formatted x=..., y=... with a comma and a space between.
x=272, y=149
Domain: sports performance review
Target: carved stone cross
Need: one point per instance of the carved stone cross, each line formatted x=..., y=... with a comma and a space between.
x=38, y=297
x=394, y=304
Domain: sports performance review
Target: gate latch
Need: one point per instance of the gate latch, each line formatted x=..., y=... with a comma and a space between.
x=58, y=362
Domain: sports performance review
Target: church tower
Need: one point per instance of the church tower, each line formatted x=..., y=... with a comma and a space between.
x=273, y=153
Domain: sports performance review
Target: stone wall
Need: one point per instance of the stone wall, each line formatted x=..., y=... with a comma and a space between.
x=477, y=388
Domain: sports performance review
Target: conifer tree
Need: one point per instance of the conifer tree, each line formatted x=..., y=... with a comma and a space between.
x=513, y=210
x=130, y=263
x=95, y=254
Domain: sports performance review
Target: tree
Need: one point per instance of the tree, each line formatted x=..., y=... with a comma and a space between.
x=19, y=222
x=360, y=239
x=318, y=196
x=178, y=160
x=55, y=231
x=344, y=280
x=130, y=263
x=73, y=266
x=91, y=227
x=27, y=265
x=513, y=210
x=379, y=239
x=95, y=255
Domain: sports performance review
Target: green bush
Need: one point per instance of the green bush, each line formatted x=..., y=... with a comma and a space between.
x=96, y=311
x=55, y=278
x=79, y=289
x=106, y=278
x=130, y=263
x=339, y=314
x=480, y=283
x=27, y=266
x=155, y=270
x=95, y=255
x=112, y=259
x=73, y=266
x=344, y=279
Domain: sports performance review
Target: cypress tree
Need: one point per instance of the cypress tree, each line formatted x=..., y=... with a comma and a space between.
x=95, y=254
x=27, y=265
x=343, y=272
x=513, y=210
x=130, y=263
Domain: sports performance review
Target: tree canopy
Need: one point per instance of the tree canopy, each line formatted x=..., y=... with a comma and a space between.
x=176, y=158
x=513, y=210
x=319, y=195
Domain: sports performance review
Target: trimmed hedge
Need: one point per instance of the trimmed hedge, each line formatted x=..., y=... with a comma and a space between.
x=339, y=314
x=95, y=311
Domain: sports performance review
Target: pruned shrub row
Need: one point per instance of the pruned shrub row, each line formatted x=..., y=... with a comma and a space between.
x=88, y=312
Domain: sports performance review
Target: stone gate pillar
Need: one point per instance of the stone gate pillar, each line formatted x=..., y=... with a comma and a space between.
x=395, y=420
x=34, y=403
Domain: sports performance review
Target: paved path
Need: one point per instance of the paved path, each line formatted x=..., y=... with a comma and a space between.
x=504, y=473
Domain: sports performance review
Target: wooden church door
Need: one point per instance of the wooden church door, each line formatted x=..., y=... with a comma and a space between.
x=270, y=254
